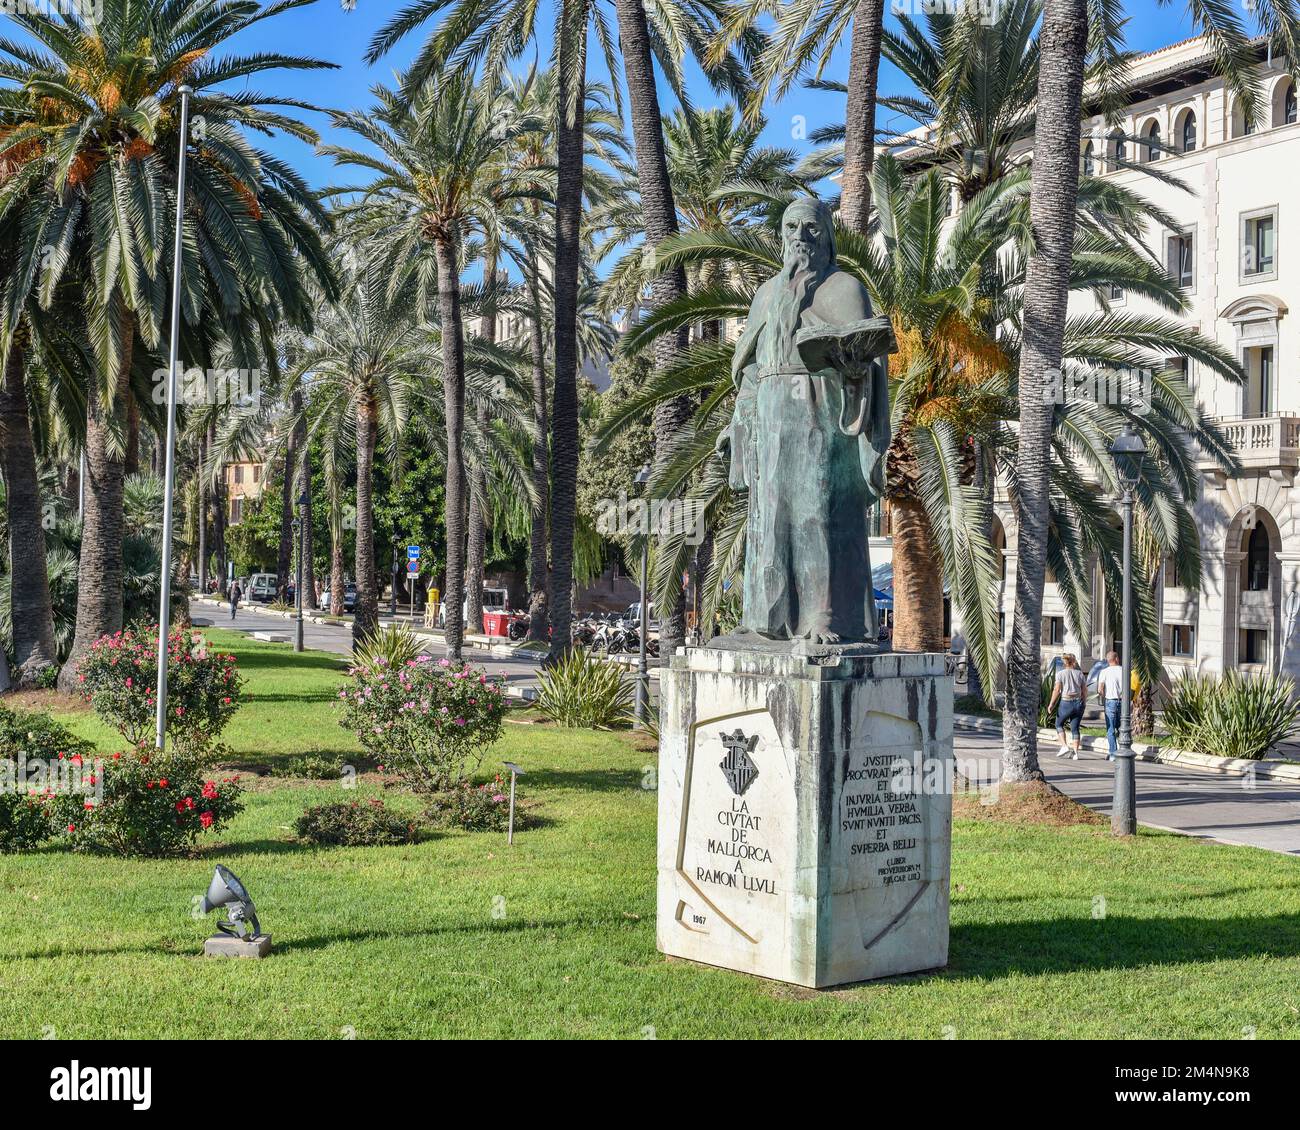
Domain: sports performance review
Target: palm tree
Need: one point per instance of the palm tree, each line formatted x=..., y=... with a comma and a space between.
x=807, y=34
x=1068, y=43
x=98, y=135
x=439, y=181
x=474, y=31
x=359, y=370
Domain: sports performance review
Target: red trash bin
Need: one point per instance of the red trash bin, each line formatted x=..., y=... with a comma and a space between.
x=494, y=623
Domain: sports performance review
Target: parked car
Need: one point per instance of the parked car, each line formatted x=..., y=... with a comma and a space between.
x=260, y=587
x=349, y=598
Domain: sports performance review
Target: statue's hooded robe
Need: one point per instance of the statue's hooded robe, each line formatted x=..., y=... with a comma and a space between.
x=809, y=445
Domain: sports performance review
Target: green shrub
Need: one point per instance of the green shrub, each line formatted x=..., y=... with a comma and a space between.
x=478, y=808
x=281, y=606
x=35, y=735
x=26, y=820
x=119, y=675
x=45, y=774
x=396, y=645
x=48, y=678
x=429, y=722
x=581, y=690
x=354, y=824
x=1232, y=715
x=1046, y=719
x=153, y=805
x=316, y=766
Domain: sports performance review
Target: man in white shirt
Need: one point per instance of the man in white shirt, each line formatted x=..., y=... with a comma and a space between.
x=1110, y=689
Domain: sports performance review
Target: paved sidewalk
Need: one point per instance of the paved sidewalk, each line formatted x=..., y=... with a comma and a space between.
x=520, y=675
x=1194, y=802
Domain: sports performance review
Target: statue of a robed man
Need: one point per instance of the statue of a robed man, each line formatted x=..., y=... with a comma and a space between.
x=807, y=440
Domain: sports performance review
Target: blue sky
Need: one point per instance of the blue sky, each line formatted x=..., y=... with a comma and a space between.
x=328, y=31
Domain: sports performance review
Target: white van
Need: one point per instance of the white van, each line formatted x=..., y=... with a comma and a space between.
x=261, y=588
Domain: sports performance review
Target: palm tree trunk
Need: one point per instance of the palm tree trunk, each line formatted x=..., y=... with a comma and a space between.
x=203, y=512
x=659, y=212
x=453, y=385
x=99, y=570
x=284, y=558
x=31, y=613
x=336, y=556
x=308, y=529
x=1054, y=187
x=860, y=115
x=918, y=579
x=218, y=515
x=366, y=614
x=571, y=89
x=476, y=552
x=132, y=464
x=538, y=619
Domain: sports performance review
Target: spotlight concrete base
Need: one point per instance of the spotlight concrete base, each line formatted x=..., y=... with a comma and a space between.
x=223, y=945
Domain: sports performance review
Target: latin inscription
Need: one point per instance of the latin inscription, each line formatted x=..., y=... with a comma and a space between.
x=879, y=824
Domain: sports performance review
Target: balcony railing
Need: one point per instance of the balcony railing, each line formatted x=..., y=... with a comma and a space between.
x=1263, y=441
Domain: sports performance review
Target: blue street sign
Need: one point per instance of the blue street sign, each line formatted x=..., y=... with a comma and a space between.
x=412, y=553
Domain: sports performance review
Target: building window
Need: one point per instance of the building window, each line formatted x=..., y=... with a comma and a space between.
x=1289, y=106
x=1170, y=574
x=1254, y=645
x=1118, y=150
x=1053, y=634
x=1117, y=294
x=1182, y=640
x=257, y=472
x=1153, y=142
x=1189, y=132
x=1089, y=165
x=1258, y=553
x=1259, y=376
x=239, y=472
x=1002, y=625
x=1242, y=126
x=1259, y=245
x=236, y=510
x=1180, y=259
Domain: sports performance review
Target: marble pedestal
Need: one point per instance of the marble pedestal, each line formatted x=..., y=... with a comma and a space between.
x=805, y=812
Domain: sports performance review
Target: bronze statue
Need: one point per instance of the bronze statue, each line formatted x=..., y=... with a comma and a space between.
x=807, y=441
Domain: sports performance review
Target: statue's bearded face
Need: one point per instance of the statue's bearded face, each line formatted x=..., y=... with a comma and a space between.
x=806, y=238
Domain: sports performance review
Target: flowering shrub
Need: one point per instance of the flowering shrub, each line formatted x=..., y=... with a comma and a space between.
x=478, y=808
x=119, y=675
x=26, y=820
x=153, y=805
x=39, y=760
x=354, y=823
x=429, y=722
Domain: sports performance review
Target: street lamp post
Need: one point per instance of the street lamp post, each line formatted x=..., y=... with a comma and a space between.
x=169, y=472
x=1127, y=451
x=642, y=668
x=300, y=536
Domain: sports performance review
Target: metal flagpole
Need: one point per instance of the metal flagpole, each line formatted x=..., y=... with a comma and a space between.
x=169, y=485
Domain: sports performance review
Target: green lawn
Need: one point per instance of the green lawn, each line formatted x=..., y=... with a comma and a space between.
x=462, y=936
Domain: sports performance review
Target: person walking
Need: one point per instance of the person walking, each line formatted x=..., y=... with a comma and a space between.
x=1110, y=690
x=235, y=593
x=1071, y=691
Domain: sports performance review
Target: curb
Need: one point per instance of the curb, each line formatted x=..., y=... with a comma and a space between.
x=1163, y=755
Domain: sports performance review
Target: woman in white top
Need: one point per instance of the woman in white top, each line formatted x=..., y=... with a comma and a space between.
x=1071, y=690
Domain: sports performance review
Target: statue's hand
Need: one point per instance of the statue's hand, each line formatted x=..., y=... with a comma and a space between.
x=722, y=445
